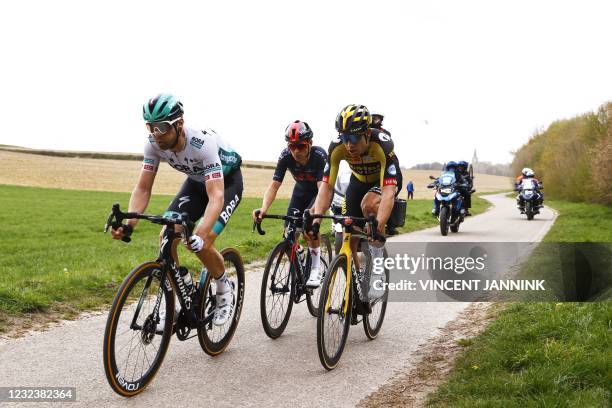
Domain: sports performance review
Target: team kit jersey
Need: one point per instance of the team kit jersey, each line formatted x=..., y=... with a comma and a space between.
x=206, y=156
x=377, y=167
x=306, y=177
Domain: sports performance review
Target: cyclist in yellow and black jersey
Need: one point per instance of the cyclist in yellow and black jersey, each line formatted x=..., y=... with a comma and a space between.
x=376, y=178
x=377, y=165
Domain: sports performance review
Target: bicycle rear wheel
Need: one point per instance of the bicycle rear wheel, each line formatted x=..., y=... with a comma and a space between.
x=312, y=299
x=133, y=346
x=276, y=297
x=327, y=252
x=215, y=339
x=373, y=321
x=334, y=319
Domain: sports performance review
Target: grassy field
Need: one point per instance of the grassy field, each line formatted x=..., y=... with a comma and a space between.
x=120, y=175
x=580, y=222
x=542, y=354
x=54, y=255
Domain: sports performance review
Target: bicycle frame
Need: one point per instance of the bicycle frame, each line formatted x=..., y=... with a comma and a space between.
x=292, y=229
x=170, y=265
x=165, y=259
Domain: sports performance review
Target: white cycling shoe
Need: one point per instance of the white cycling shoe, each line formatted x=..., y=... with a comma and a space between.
x=314, y=280
x=224, y=309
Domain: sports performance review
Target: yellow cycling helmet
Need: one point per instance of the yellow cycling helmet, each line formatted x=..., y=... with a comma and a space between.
x=353, y=119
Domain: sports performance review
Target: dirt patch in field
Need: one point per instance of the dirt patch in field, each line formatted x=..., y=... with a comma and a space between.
x=411, y=388
x=121, y=175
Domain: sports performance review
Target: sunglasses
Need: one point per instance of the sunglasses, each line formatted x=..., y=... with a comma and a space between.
x=354, y=138
x=160, y=127
x=297, y=146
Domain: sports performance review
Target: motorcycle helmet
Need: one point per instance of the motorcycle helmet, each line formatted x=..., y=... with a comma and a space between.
x=451, y=165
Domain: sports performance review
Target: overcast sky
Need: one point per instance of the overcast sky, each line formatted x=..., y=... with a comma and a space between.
x=450, y=76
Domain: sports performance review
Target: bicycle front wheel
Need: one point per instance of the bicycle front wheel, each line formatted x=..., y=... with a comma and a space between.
x=276, y=298
x=134, y=345
x=215, y=339
x=334, y=318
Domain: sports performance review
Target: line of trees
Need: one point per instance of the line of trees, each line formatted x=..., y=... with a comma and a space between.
x=573, y=157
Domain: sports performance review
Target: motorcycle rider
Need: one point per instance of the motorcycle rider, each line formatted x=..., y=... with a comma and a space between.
x=527, y=173
x=462, y=171
x=451, y=166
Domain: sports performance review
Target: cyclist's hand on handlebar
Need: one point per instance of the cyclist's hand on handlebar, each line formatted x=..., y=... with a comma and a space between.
x=375, y=230
x=124, y=231
x=195, y=244
x=258, y=214
x=311, y=227
x=313, y=231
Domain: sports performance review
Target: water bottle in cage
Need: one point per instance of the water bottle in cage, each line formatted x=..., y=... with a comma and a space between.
x=186, y=277
x=363, y=282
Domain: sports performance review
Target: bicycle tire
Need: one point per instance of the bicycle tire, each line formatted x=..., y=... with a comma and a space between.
x=274, y=329
x=337, y=271
x=326, y=248
x=312, y=300
x=372, y=323
x=116, y=378
x=214, y=346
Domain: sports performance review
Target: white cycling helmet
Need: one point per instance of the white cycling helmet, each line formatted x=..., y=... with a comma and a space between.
x=527, y=172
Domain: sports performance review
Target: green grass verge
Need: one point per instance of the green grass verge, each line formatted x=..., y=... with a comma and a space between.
x=580, y=222
x=53, y=250
x=418, y=213
x=541, y=354
x=546, y=355
x=54, y=256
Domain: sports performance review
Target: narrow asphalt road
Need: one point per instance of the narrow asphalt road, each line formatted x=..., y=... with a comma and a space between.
x=255, y=370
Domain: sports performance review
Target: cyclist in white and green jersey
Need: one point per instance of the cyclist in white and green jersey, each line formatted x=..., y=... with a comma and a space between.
x=212, y=190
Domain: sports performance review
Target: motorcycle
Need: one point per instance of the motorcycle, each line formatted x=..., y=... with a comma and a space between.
x=449, y=201
x=529, y=197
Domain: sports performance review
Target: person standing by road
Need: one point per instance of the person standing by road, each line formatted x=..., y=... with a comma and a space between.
x=410, y=188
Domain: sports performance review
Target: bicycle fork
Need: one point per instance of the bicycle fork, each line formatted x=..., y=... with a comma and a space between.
x=346, y=250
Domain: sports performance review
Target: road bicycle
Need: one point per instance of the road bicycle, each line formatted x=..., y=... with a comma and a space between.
x=285, y=275
x=134, y=343
x=345, y=292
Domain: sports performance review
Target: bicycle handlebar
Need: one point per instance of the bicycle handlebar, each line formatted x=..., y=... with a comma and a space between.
x=116, y=217
x=346, y=220
x=257, y=224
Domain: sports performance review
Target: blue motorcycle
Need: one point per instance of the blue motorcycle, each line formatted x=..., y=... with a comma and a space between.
x=448, y=202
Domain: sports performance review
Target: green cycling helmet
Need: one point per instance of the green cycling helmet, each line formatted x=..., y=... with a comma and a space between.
x=163, y=107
